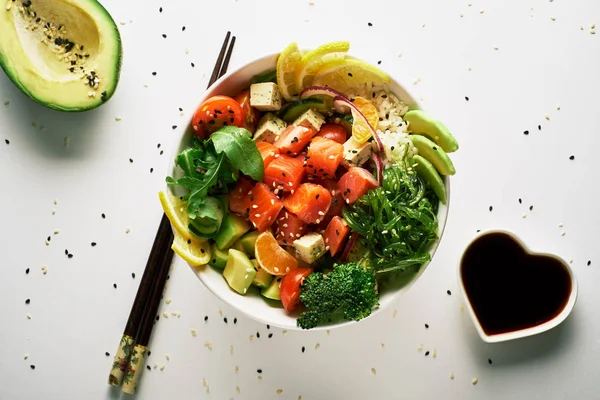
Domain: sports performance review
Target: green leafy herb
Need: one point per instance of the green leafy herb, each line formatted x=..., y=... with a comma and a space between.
x=348, y=292
x=211, y=165
x=397, y=221
x=241, y=151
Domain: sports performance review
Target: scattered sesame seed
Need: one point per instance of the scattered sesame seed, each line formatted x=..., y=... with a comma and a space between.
x=168, y=301
x=571, y=157
x=373, y=371
x=32, y=366
x=474, y=381
x=317, y=346
x=563, y=233
x=117, y=118
x=279, y=391
x=26, y=356
x=27, y=301
x=426, y=326
x=448, y=292
x=167, y=357
x=303, y=349
x=451, y=375
x=524, y=216
x=193, y=332
x=589, y=262
x=162, y=367
x=394, y=313
x=491, y=208
x=28, y=316
x=420, y=348
x=93, y=244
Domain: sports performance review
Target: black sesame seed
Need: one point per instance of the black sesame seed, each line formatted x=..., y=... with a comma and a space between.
x=174, y=127
x=49, y=238
x=157, y=317
x=520, y=201
x=448, y=292
x=378, y=62
x=478, y=230
x=164, y=35
x=93, y=244
x=103, y=216
x=589, y=262
x=148, y=368
x=427, y=353
x=107, y=354
x=27, y=271
x=131, y=160
x=133, y=275
x=350, y=74
x=259, y=371
x=426, y=326
x=489, y=360
x=530, y=208
x=258, y=335
x=270, y=335
x=154, y=73
x=526, y=133
x=205, y=318
x=370, y=24
x=158, y=146
x=539, y=127
x=225, y=319
x=235, y=320
x=115, y=285
x=467, y=98
x=70, y=255
x=32, y=366
x=66, y=252
x=160, y=9
x=149, y=352
x=151, y=170
x=6, y=141
x=491, y=208
x=193, y=65
x=303, y=349
x=27, y=301
x=571, y=157
x=161, y=152
x=183, y=28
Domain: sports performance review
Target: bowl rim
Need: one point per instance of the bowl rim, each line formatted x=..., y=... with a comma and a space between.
x=442, y=214
x=521, y=333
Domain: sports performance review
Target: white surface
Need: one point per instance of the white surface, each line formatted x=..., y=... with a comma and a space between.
x=77, y=315
x=253, y=304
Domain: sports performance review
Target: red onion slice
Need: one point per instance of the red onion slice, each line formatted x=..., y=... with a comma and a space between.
x=379, y=166
x=321, y=91
x=342, y=104
x=349, y=245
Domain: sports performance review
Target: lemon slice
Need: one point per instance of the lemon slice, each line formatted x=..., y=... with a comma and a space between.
x=176, y=210
x=349, y=73
x=360, y=131
x=195, y=252
x=287, y=62
x=314, y=60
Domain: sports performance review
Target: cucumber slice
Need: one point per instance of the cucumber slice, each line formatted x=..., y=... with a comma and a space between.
x=206, y=227
x=294, y=110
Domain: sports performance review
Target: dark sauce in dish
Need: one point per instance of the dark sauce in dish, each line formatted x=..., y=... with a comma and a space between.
x=508, y=288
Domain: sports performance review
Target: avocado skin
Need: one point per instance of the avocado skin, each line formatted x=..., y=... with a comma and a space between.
x=10, y=72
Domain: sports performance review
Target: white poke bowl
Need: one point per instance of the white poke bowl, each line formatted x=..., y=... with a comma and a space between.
x=253, y=304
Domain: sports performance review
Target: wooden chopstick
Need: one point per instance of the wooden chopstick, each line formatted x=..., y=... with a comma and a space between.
x=130, y=359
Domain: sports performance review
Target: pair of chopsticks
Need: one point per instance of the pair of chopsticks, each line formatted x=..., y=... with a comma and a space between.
x=131, y=354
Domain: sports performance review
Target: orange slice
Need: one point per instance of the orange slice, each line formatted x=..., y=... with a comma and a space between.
x=360, y=131
x=272, y=257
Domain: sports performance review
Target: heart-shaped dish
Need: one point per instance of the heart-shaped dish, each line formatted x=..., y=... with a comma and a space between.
x=512, y=292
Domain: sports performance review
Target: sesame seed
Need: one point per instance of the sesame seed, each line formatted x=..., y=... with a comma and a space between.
x=571, y=157
x=257, y=215
x=491, y=208
x=448, y=292
x=451, y=375
x=373, y=371
x=474, y=381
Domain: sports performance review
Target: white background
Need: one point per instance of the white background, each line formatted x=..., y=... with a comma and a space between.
x=77, y=314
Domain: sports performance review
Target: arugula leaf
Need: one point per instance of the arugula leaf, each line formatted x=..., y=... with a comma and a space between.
x=240, y=149
x=187, y=160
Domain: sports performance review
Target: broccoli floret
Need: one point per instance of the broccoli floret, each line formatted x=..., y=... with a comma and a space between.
x=349, y=292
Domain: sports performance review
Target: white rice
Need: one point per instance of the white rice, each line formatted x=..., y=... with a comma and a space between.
x=392, y=129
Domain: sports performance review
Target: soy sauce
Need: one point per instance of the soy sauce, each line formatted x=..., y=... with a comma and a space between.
x=509, y=289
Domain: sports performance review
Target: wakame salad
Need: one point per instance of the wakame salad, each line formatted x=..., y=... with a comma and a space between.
x=313, y=186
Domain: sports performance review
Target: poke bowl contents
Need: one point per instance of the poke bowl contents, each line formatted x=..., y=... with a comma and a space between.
x=313, y=188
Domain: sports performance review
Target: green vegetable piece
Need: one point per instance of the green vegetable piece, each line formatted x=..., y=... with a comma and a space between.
x=421, y=123
x=434, y=154
x=268, y=76
x=273, y=291
x=239, y=271
x=218, y=258
x=262, y=279
x=246, y=243
x=294, y=110
x=240, y=149
x=348, y=292
x=428, y=172
x=208, y=218
x=232, y=229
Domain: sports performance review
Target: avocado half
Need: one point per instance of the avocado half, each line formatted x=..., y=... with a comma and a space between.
x=64, y=54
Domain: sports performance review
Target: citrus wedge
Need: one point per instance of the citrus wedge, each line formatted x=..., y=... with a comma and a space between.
x=360, y=131
x=347, y=73
x=314, y=60
x=272, y=257
x=176, y=210
x=195, y=252
x=287, y=62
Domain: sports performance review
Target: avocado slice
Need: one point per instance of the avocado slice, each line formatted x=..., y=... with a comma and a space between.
x=218, y=258
x=232, y=228
x=246, y=243
x=263, y=278
x=421, y=123
x=64, y=54
x=273, y=291
x=434, y=154
x=428, y=172
x=239, y=271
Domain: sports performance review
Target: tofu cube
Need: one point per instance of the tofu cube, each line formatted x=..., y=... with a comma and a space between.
x=310, y=247
x=355, y=153
x=269, y=128
x=310, y=119
x=265, y=96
